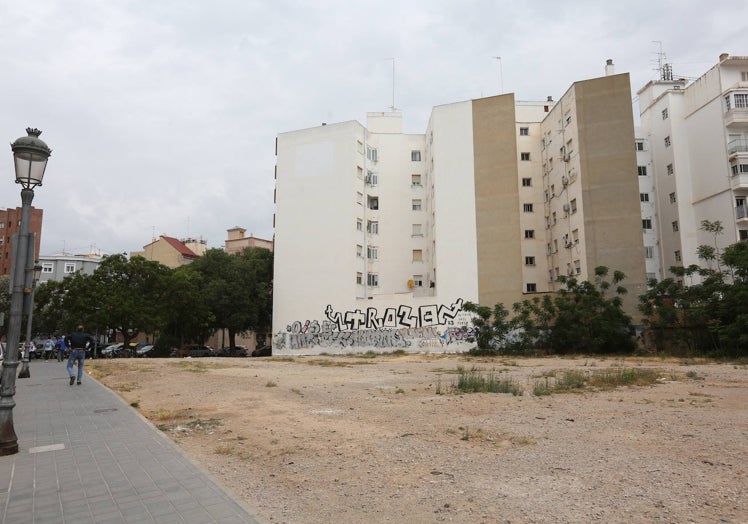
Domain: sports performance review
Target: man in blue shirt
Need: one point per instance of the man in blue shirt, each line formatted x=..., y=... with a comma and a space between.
x=78, y=343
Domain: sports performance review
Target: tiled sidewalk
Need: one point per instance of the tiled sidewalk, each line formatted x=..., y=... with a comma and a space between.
x=87, y=457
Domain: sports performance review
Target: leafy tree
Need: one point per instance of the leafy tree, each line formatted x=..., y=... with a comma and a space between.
x=186, y=317
x=491, y=327
x=127, y=295
x=237, y=289
x=715, y=229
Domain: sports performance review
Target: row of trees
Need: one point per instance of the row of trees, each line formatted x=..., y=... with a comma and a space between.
x=683, y=315
x=176, y=306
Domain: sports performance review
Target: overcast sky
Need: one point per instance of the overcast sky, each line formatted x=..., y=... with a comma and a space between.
x=162, y=114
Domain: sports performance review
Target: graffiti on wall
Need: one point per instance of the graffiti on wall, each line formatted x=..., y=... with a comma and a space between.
x=424, y=327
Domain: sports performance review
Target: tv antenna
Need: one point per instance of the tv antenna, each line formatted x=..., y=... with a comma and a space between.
x=392, y=107
x=501, y=75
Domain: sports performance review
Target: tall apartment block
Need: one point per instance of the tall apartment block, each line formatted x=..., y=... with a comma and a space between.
x=380, y=236
x=696, y=137
x=10, y=222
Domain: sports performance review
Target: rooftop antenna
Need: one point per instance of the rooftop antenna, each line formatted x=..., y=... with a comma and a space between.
x=501, y=75
x=664, y=69
x=392, y=107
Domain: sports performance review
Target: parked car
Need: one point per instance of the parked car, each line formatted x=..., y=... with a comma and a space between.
x=193, y=351
x=240, y=351
x=144, y=350
x=112, y=350
x=263, y=351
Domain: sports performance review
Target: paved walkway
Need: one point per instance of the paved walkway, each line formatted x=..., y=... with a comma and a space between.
x=87, y=457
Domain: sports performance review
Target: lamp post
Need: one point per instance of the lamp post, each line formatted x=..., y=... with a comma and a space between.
x=37, y=269
x=30, y=155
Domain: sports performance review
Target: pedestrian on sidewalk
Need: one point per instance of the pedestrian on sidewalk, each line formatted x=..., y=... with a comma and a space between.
x=78, y=343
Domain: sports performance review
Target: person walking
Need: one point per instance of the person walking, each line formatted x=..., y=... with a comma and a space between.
x=61, y=347
x=78, y=343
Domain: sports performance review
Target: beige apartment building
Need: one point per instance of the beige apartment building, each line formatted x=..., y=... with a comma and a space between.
x=495, y=201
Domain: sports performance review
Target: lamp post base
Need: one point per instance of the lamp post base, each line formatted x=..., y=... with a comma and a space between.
x=25, y=371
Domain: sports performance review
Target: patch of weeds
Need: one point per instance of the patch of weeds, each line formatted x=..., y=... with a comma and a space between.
x=439, y=385
x=135, y=404
x=202, y=425
x=274, y=441
x=542, y=387
x=476, y=381
x=164, y=427
x=127, y=387
x=166, y=414
x=224, y=449
x=693, y=375
x=297, y=391
x=97, y=372
x=512, y=363
x=400, y=391
x=615, y=377
x=570, y=379
x=194, y=366
x=270, y=384
x=326, y=363
x=698, y=394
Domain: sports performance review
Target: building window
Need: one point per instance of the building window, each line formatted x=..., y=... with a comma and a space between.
x=69, y=268
x=359, y=224
x=417, y=255
x=415, y=180
x=531, y=287
x=649, y=252
x=670, y=169
x=575, y=236
x=417, y=230
x=371, y=178
x=529, y=233
x=372, y=252
x=359, y=250
x=372, y=279
x=418, y=280
x=373, y=202
x=667, y=141
x=359, y=278
x=527, y=208
x=727, y=102
x=577, y=267
x=675, y=226
x=416, y=204
x=568, y=120
x=573, y=205
x=372, y=227
x=640, y=145
x=359, y=172
x=644, y=197
x=642, y=170
x=2, y=225
x=672, y=198
x=48, y=267
x=524, y=156
x=647, y=223
x=553, y=218
x=524, y=131
x=360, y=198
x=677, y=256
x=741, y=100
x=371, y=154
x=526, y=182
x=359, y=146
x=529, y=261
x=415, y=156
x=664, y=114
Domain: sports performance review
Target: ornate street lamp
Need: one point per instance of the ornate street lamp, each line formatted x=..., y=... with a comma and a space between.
x=29, y=291
x=30, y=156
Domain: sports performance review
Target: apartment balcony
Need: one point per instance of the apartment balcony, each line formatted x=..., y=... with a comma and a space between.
x=739, y=181
x=738, y=146
x=736, y=116
x=741, y=214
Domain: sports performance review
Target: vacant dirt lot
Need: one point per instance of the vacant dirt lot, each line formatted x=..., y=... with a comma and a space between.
x=389, y=439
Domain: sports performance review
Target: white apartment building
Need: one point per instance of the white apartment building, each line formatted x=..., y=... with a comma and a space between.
x=697, y=135
x=380, y=236
x=647, y=197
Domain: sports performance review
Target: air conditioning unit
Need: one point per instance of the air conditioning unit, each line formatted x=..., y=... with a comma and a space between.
x=567, y=208
x=565, y=180
x=567, y=158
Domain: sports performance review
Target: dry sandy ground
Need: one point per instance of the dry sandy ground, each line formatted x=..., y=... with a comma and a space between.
x=388, y=439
